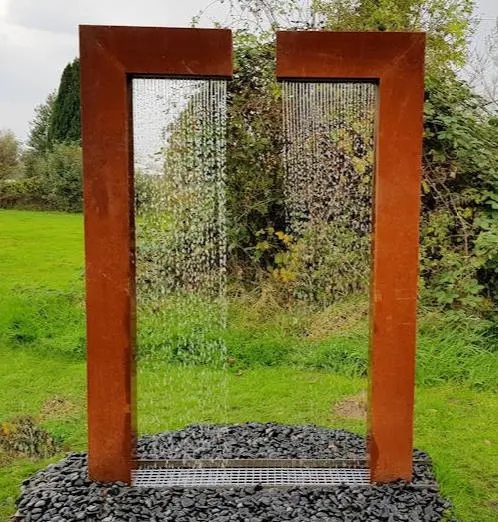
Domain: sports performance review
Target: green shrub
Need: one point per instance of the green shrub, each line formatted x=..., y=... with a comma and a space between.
x=53, y=181
x=449, y=267
x=22, y=193
x=328, y=263
x=63, y=178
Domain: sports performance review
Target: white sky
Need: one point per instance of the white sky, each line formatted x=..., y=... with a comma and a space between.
x=39, y=37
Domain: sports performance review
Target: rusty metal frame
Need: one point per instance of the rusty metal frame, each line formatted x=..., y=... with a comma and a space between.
x=395, y=61
x=110, y=57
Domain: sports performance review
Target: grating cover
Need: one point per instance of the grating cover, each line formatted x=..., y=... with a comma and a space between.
x=241, y=477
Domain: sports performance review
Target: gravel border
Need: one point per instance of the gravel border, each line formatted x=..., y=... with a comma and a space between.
x=62, y=493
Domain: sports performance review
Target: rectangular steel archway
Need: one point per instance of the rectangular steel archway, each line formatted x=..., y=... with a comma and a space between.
x=109, y=58
x=395, y=61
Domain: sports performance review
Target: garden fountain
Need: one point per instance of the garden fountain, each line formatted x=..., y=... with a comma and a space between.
x=362, y=92
x=373, y=58
x=179, y=128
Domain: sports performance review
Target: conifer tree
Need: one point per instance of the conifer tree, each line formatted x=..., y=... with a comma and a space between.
x=65, y=120
x=38, y=139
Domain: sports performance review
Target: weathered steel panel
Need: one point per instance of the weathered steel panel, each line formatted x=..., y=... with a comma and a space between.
x=158, y=51
x=396, y=62
x=110, y=56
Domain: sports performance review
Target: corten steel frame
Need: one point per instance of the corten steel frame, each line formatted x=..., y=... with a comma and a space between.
x=395, y=61
x=110, y=58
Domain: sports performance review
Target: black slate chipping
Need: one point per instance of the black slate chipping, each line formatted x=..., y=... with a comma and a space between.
x=62, y=492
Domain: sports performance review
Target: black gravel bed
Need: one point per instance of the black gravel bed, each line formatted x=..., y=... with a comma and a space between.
x=62, y=493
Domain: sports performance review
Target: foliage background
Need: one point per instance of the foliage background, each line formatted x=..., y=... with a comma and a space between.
x=459, y=231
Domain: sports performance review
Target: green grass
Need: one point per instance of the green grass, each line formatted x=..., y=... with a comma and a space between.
x=42, y=309
x=41, y=281
x=456, y=426
x=288, y=367
x=40, y=249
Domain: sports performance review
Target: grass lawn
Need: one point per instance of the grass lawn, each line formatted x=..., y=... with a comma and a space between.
x=44, y=377
x=40, y=249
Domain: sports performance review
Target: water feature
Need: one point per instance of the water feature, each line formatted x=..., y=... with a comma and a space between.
x=329, y=135
x=179, y=144
x=181, y=230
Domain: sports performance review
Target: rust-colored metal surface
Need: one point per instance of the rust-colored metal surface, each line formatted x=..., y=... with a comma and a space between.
x=110, y=56
x=396, y=62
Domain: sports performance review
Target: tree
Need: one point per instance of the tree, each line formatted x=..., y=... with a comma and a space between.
x=448, y=23
x=38, y=139
x=65, y=119
x=9, y=155
x=63, y=177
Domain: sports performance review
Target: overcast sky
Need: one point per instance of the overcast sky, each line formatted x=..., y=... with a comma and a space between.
x=38, y=38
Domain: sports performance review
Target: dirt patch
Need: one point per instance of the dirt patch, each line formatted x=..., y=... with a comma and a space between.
x=353, y=407
x=56, y=407
x=493, y=504
x=465, y=403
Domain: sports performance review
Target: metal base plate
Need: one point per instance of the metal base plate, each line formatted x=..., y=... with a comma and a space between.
x=247, y=476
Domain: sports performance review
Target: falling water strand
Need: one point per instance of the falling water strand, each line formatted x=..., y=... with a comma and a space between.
x=179, y=143
x=329, y=136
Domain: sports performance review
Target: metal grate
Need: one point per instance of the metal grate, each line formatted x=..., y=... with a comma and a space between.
x=252, y=463
x=241, y=477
